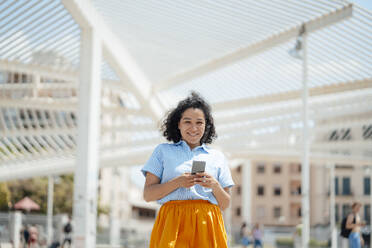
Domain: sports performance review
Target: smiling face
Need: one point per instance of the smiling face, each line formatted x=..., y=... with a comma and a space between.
x=192, y=126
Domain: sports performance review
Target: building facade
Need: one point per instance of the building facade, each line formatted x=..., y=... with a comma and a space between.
x=275, y=192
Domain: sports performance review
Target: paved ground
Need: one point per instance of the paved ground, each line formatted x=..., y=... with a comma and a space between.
x=7, y=245
x=239, y=246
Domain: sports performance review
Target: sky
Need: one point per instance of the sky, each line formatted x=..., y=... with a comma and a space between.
x=364, y=3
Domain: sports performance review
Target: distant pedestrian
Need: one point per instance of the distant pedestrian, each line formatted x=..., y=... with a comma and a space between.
x=33, y=241
x=257, y=236
x=67, y=231
x=25, y=236
x=354, y=223
x=244, y=235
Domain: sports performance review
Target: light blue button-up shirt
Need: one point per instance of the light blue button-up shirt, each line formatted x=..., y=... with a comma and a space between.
x=172, y=160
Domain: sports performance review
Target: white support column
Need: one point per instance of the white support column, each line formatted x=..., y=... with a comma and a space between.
x=50, y=210
x=306, y=149
x=114, y=209
x=36, y=86
x=332, y=203
x=15, y=224
x=246, y=192
x=87, y=159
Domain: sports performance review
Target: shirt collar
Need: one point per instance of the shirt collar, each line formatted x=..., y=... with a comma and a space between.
x=203, y=146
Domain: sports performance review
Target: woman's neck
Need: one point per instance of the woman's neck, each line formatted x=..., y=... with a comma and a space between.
x=192, y=146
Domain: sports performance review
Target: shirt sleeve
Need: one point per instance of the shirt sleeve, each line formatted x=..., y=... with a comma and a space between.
x=224, y=175
x=155, y=164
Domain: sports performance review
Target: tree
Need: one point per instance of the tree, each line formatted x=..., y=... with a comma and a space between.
x=4, y=197
x=63, y=195
x=37, y=190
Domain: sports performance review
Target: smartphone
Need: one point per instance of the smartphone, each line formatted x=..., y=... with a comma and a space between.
x=197, y=166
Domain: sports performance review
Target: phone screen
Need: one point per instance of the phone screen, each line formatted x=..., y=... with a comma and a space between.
x=197, y=166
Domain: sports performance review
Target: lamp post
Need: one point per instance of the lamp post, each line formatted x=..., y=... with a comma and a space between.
x=332, y=202
x=300, y=52
x=51, y=181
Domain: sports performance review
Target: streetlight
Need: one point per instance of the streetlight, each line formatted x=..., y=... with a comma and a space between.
x=300, y=52
x=297, y=51
x=51, y=181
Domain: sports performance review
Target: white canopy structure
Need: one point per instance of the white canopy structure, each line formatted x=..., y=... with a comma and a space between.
x=237, y=54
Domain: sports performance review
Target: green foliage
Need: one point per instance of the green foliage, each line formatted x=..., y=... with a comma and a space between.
x=288, y=242
x=102, y=209
x=37, y=190
x=316, y=243
x=4, y=197
x=63, y=195
x=284, y=241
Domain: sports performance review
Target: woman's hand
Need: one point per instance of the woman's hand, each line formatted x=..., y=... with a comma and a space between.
x=206, y=180
x=186, y=180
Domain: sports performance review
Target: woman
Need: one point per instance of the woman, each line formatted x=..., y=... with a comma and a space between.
x=190, y=215
x=244, y=235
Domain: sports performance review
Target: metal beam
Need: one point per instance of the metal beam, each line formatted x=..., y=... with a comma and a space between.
x=45, y=71
x=315, y=157
x=67, y=104
x=117, y=56
x=87, y=151
x=295, y=95
x=315, y=105
x=59, y=165
x=257, y=47
x=71, y=77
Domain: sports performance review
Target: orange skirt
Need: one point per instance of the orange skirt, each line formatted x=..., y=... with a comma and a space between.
x=189, y=224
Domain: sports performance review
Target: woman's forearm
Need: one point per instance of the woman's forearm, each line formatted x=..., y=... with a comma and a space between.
x=223, y=197
x=157, y=191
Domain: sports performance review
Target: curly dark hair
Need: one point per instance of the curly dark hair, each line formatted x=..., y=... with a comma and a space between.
x=170, y=129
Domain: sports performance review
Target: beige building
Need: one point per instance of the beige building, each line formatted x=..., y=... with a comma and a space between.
x=275, y=192
x=124, y=199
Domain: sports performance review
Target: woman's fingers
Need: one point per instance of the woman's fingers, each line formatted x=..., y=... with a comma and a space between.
x=203, y=174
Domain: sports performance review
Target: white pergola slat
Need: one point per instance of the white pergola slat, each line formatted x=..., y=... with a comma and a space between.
x=258, y=47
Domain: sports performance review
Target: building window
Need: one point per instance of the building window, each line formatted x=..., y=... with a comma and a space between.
x=238, y=211
x=239, y=169
x=260, y=190
x=260, y=212
x=295, y=187
x=346, y=186
x=295, y=210
x=367, y=186
x=143, y=213
x=277, y=190
x=295, y=168
x=277, y=212
x=239, y=190
x=260, y=168
x=277, y=169
x=336, y=186
x=367, y=213
x=346, y=209
x=337, y=216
